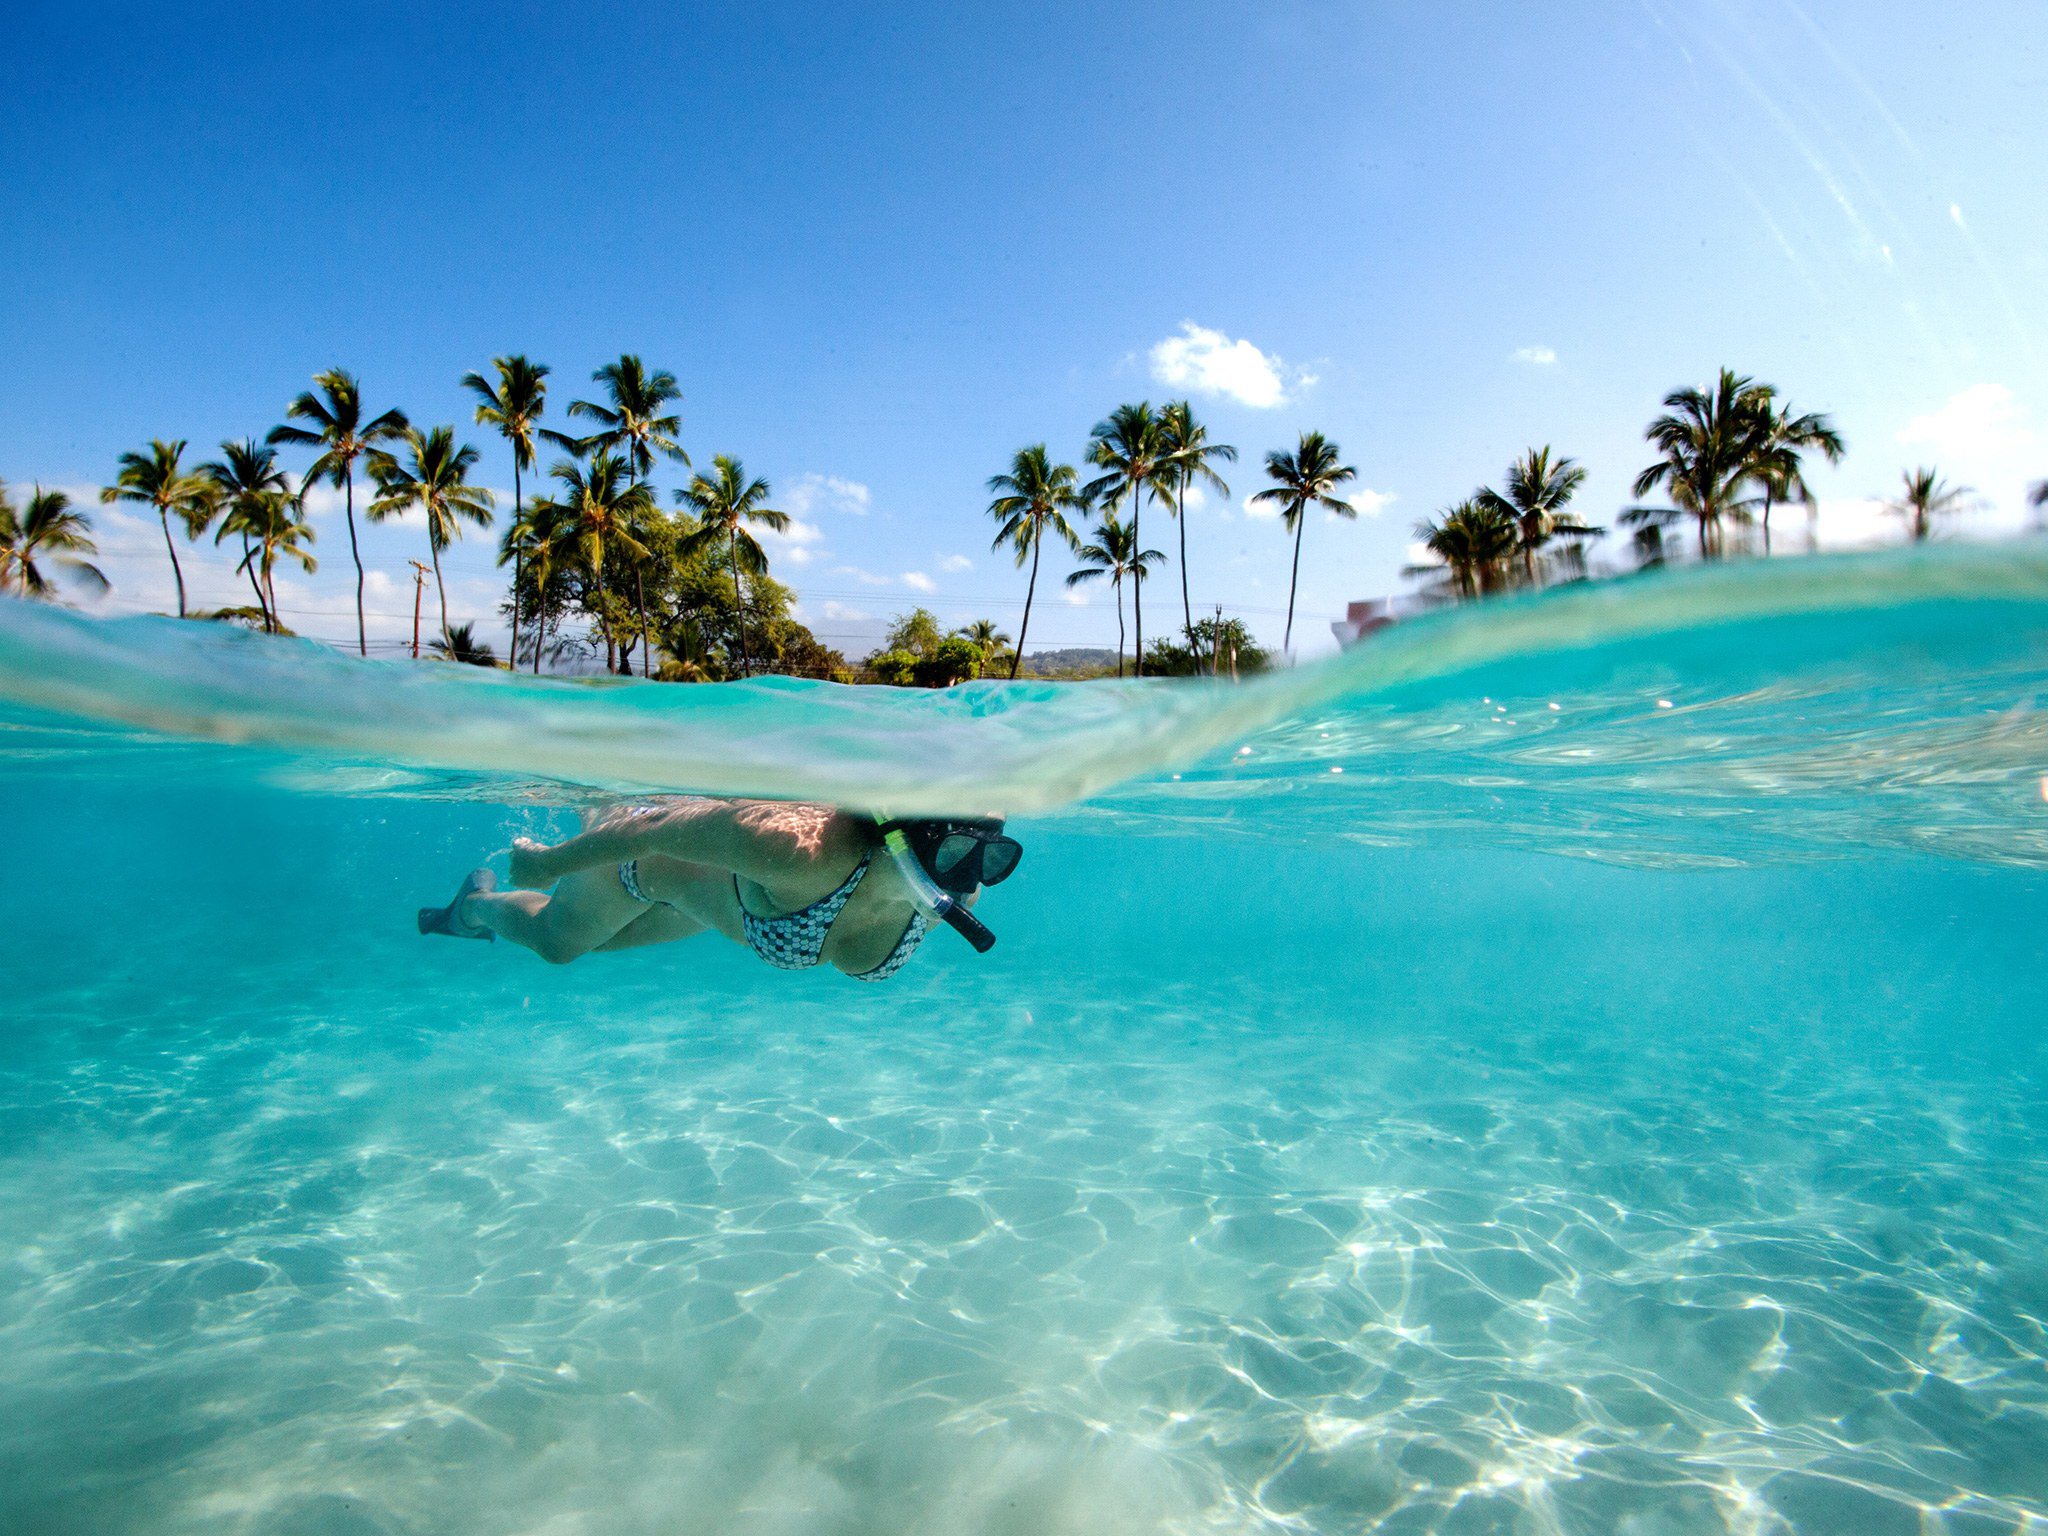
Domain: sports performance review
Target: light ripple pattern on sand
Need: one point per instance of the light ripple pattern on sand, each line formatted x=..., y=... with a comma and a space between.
x=1284, y=1243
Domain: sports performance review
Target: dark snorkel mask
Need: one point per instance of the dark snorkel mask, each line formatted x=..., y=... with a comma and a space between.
x=942, y=861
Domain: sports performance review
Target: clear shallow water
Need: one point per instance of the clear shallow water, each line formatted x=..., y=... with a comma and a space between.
x=1627, y=1119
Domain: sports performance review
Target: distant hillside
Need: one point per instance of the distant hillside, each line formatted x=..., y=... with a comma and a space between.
x=1075, y=659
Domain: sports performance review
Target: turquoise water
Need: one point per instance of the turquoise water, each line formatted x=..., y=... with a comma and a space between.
x=1610, y=1103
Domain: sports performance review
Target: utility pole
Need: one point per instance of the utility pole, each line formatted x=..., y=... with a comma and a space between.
x=419, y=588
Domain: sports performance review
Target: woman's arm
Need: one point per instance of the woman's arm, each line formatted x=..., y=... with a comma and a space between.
x=764, y=840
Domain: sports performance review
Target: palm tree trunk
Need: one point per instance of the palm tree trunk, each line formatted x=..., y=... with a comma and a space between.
x=604, y=606
x=640, y=591
x=739, y=599
x=434, y=548
x=518, y=565
x=1138, y=585
x=1017, y=657
x=1119, y=585
x=270, y=577
x=249, y=567
x=1767, y=524
x=518, y=554
x=164, y=517
x=348, y=480
x=540, y=619
x=1287, y=641
x=1187, y=609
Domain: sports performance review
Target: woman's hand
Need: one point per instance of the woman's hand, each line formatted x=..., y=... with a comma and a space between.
x=530, y=863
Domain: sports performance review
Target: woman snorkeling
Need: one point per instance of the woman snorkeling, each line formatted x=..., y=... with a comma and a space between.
x=797, y=883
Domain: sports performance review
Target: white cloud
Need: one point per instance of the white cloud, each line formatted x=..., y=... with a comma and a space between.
x=797, y=544
x=1194, y=498
x=1538, y=356
x=1983, y=421
x=843, y=611
x=865, y=578
x=1264, y=511
x=813, y=493
x=1955, y=212
x=326, y=504
x=917, y=581
x=1371, y=503
x=1208, y=362
x=1076, y=598
x=956, y=563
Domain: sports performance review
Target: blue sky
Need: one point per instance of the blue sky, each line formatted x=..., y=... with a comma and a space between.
x=883, y=247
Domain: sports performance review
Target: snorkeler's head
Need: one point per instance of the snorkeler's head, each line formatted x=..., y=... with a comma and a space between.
x=961, y=853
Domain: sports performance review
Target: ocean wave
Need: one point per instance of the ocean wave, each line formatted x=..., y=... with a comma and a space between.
x=1699, y=715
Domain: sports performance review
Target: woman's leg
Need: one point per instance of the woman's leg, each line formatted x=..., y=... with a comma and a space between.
x=585, y=911
x=656, y=925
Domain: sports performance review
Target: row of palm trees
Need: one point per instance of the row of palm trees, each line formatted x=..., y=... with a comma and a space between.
x=600, y=510
x=1726, y=454
x=1162, y=453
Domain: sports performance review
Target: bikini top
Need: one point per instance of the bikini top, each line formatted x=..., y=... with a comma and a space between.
x=795, y=941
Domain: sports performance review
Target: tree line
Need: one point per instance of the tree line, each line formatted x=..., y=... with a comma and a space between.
x=694, y=586
x=1727, y=456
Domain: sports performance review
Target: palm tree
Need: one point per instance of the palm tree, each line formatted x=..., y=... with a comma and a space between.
x=553, y=531
x=513, y=405
x=1781, y=439
x=1034, y=496
x=437, y=482
x=600, y=507
x=155, y=480
x=530, y=536
x=1927, y=497
x=271, y=523
x=722, y=502
x=1710, y=440
x=1537, y=491
x=48, y=526
x=1130, y=445
x=984, y=634
x=1473, y=540
x=1115, y=554
x=1305, y=479
x=462, y=645
x=635, y=425
x=1189, y=451
x=242, y=477
x=342, y=436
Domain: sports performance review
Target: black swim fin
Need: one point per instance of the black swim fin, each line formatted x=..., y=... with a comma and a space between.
x=442, y=920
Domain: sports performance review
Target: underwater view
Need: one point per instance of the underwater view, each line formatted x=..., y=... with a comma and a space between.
x=1572, y=1064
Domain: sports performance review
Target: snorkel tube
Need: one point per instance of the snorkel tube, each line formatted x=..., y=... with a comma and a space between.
x=932, y=901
